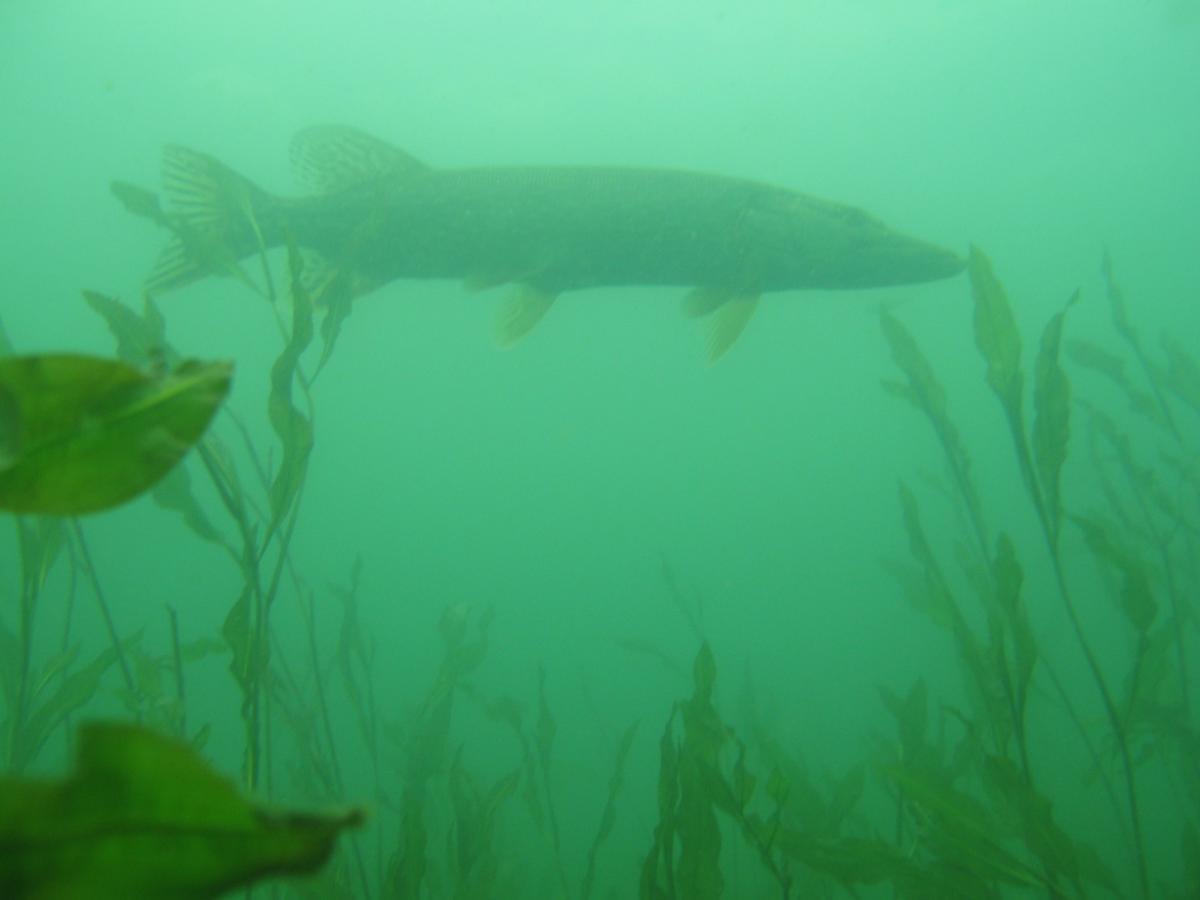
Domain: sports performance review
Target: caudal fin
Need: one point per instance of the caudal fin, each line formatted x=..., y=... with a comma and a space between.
x=216, y=217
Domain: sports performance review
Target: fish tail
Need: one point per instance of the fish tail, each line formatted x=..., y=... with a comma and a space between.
x=217, y=218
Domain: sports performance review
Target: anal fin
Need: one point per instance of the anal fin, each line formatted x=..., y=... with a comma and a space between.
x=520, y=312
x=727, y=323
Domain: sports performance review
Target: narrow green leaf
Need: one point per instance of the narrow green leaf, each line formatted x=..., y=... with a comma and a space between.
x=75, y=691
x=923, y=389
x=1052, y=416
x=546, y=726
x=926, y=393
x=238, y=636
x=1137, y=600
x=996, y=333
x=144, y=816
x=407, y=869
x=141, y=339
x=174, y=492
x=847, y=793
x=959, y=828
x=41, y=540
x=1041, y=834
x=79, y=434
x=1098, y=359
x=1008, y=577
x=1183, y=373
x=291, y=426
x=930, y=593
x=698, y=871
x=852, y=861
x=55, y=667
x=1116, y=301
x=338, y=302
x=608, y=817
x=704, y=673
x=657, y=878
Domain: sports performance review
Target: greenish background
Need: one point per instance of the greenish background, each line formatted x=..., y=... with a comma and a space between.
x=550, y=482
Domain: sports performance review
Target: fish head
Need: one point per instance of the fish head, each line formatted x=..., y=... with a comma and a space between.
x=818, y=244
x=886, y=258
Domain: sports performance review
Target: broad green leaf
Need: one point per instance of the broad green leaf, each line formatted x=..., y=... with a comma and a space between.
x=1052, y=416
x=996, y=333
x=143, y=816
x=79, y=434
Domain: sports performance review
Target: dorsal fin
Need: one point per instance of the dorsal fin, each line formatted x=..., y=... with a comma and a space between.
x=330, y=158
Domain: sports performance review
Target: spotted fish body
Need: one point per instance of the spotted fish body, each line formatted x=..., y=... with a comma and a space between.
x=381, y=215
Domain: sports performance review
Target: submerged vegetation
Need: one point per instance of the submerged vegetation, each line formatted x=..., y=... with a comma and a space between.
x=969, y=795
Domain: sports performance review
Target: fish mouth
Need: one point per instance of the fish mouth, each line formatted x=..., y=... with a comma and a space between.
x=910, y=261
x=946, y=265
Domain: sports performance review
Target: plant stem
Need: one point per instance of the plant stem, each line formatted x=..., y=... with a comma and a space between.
x=105, y=612
x=1050, y=534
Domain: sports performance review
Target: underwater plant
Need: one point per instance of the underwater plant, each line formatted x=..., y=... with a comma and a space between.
x=469, y=786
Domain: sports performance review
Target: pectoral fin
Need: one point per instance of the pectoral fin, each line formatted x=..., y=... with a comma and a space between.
x=520, y=312
x=727, y=323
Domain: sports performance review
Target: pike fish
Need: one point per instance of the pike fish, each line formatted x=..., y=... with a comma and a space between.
x=376, y=214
